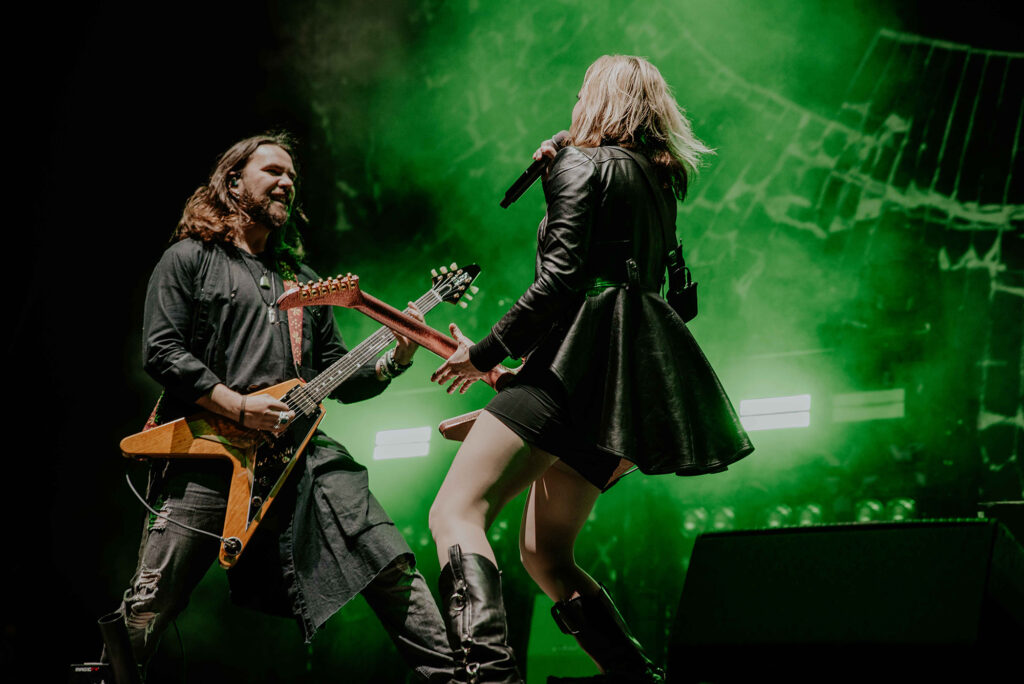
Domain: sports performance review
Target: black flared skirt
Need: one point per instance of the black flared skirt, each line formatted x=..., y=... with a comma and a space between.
x=534, y=407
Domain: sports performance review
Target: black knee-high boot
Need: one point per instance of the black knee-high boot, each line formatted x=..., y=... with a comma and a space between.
x=599, y=629
x=474, y=614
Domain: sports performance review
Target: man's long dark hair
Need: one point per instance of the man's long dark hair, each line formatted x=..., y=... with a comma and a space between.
x=213, y=214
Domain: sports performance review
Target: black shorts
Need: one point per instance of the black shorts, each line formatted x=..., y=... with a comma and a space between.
x=534, y=407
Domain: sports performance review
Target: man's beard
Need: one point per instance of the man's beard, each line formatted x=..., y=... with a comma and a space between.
x=262, y=210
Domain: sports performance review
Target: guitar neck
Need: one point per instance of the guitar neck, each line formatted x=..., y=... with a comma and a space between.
x=418, y=332
x=320, y=387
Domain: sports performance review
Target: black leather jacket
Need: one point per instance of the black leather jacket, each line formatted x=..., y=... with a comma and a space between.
x=638, y=385
x=601, y=212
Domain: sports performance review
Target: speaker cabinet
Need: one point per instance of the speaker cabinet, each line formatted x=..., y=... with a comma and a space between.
x=942, y=599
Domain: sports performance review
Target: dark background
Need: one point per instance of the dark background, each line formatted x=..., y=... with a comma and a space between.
x=120, y=110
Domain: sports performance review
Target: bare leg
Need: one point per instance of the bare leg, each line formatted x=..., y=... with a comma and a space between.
x=492, y=467
x=557, y=507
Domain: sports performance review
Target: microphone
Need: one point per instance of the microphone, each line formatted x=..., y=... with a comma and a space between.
x=532, y=172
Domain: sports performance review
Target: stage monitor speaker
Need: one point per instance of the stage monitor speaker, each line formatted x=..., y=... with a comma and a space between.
x=942, y=599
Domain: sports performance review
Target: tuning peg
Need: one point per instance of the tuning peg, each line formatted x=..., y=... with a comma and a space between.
x=443, y=270
x=453, y=266
x=474, y=289
x=468, y=296
x=464, y=305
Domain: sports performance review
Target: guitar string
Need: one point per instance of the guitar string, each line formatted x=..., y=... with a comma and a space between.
x=383, y=337
x=321, y=385
x=308, y=396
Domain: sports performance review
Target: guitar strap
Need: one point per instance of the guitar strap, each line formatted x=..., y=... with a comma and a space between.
x=668, y=229
x=294, y=327
x=294, y=336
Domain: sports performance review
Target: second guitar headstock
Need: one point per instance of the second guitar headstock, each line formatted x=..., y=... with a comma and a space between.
x=453, y=284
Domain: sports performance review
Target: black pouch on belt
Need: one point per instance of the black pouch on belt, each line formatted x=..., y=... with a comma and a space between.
x=682, y=289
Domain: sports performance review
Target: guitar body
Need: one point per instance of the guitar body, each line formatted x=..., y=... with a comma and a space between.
x=458, y=427
x=260, y=461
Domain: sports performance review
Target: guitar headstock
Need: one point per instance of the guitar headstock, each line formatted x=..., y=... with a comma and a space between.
x=342, y=290
x=453, y=284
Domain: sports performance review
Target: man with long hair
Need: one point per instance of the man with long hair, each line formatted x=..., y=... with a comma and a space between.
x=212, y=337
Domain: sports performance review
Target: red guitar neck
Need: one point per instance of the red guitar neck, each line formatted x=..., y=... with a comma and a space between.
x=421, y=333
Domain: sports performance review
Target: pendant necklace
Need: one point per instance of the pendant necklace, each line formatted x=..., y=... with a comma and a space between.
x=264, y=283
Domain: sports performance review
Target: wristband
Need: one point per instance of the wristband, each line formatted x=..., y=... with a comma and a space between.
x=393, y=368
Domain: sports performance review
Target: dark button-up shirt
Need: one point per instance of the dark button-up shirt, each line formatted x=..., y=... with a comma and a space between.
x=208, y=321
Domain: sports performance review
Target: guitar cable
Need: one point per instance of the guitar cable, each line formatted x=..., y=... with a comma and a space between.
x=232, y=545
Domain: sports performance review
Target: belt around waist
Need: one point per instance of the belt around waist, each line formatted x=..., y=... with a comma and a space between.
x=599, y=285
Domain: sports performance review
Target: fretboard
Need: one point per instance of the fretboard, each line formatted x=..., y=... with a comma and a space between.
x=306, y=398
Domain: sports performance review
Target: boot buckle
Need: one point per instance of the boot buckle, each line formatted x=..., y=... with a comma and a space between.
x=458, y=600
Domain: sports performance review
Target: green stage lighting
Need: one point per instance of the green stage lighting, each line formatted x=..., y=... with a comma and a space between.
x=778, y=516
x=868, y=510
x=407, y=443
x=900, y=509
x=858, y=406
x=695, y=521
x=776, y=413
x=809, y=514
x=723, y=518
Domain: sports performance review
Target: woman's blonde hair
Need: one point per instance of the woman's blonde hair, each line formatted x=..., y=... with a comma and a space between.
x=625, y=101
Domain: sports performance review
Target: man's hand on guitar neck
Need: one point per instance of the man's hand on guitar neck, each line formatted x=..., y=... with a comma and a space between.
x=255, y=411
x=402, y=353
x=406, y=347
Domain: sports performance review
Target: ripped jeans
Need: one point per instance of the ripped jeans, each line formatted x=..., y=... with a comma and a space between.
x=173, y=560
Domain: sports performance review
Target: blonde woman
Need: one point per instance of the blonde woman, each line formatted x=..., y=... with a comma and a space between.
x=612, y=381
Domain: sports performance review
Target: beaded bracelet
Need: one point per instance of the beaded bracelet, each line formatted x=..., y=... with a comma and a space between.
x=394, y=368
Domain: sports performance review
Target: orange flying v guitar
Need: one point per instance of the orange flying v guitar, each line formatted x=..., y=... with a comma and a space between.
x=261, y=461
x=330, y=292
